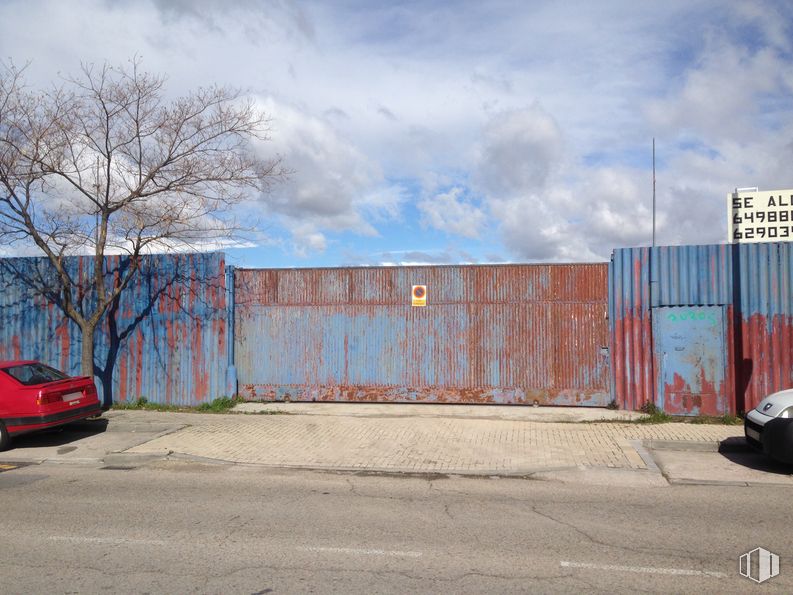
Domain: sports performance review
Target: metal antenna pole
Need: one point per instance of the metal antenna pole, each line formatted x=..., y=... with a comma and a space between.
x=653, y=192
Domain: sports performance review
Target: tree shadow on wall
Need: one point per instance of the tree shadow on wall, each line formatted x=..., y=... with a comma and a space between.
x=117, y=336
x=32, y=325
x=30, y=288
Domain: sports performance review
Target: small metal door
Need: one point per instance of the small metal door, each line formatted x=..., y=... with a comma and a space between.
x=690, y=360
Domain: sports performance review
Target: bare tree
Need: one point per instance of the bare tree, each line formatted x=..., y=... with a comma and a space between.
x=103, y=163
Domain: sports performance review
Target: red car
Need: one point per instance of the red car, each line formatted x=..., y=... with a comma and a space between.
x=34, y=396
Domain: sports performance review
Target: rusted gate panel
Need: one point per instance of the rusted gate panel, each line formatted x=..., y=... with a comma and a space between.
x=169, y=336
x=489, y=334
x=748, y=287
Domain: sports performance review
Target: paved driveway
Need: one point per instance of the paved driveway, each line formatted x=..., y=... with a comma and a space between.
x=422, y=444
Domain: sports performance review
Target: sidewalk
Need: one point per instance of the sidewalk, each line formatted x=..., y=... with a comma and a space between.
x=445, y=439
x=545, y=443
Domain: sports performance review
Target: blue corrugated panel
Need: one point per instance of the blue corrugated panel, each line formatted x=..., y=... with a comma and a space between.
x=691, y=275
x=767, y=279
x=168, y=343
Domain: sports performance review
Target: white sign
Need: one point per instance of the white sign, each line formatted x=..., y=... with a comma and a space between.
x=756, y=216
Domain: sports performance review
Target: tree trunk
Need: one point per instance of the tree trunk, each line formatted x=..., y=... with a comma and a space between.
x=87, y=361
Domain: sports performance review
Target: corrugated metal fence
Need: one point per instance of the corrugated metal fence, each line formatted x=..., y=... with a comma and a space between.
x=168, y=342
x=693, y=329
x=489, y=334
x=701, y=329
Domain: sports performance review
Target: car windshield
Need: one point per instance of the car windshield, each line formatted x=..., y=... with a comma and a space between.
x=30, y=374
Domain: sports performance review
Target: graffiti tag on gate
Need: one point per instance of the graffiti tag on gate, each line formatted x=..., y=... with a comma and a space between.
x=685, y=315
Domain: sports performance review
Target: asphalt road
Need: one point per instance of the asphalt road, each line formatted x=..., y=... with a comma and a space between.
x=183, y=527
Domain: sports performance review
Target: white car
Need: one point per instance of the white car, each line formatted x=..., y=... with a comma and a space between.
x=769, y=426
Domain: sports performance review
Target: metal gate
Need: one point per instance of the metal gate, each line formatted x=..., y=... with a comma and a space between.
x=513, y=334
x=690, y=360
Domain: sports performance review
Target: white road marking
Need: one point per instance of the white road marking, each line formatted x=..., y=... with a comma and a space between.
x=106, y=540
x=643, y=569
x=362, y=552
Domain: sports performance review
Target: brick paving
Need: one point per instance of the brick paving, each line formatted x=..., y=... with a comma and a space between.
x=442, y=445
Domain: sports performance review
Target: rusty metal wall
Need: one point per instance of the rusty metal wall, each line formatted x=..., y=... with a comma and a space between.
x=754, y=285
x=764, y=331
x=170, y=330
x=489, y=334
x=630, y=328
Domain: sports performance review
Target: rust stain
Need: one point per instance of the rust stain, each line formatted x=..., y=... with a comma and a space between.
x=409, y=394
x=683, y=399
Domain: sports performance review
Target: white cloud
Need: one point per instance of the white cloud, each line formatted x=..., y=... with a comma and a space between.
x=452, y=213
x=723, y=96
x=333, y=186
x=307, y=240
x=383, y=203
x=531, y=227
x=532, y=119
x=612, y=208
x=517, y=161
x=518, y=152
x=20, y=249
x=447, y=255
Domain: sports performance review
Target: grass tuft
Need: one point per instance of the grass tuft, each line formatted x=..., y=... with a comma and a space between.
x=654, y=415
x=726, y=420
x=219, y=405
x=657, y=416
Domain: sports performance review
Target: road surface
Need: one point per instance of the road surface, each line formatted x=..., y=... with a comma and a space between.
x=193, y=527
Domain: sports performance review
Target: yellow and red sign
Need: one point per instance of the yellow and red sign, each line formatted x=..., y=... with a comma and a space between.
x=419, y=295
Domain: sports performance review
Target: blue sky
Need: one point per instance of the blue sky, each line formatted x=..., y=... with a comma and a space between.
x=449, y=132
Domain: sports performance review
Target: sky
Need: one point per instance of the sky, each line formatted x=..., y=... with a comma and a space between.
x=464, y=132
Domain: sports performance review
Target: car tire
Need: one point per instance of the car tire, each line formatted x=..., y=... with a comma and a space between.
x=5, y=437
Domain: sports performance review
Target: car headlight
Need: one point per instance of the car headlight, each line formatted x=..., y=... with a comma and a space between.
x=786, y=413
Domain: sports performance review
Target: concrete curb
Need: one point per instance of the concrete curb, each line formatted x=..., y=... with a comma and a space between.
x=726, y=483
x=526, y=473
x=645, y=455
x=728, y=445
x=561, y=474
x=121, y=460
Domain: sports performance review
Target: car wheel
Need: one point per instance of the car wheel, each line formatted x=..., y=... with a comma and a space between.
x=5, y=437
